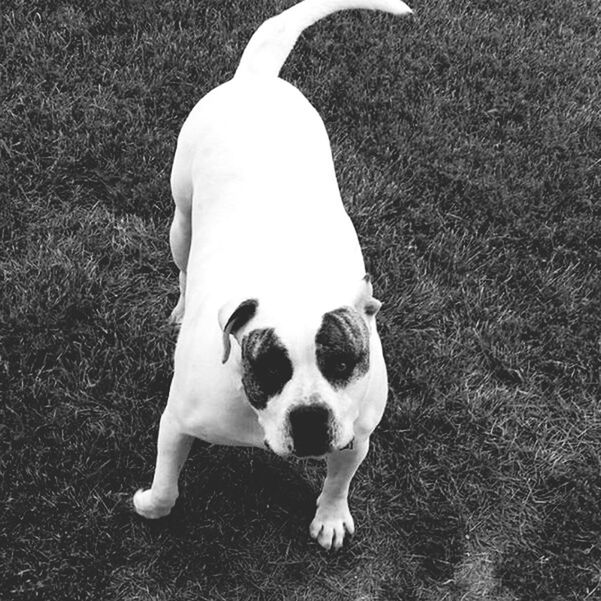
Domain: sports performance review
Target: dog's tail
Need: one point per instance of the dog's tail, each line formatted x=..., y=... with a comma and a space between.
x=271, y=44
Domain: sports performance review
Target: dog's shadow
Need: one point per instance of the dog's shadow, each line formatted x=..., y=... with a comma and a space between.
x=242, y=485
x=238, y=506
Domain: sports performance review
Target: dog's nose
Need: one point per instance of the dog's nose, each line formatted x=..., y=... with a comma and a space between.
x=310, y=430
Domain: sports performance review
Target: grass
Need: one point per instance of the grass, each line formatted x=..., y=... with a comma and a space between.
x=467, y=148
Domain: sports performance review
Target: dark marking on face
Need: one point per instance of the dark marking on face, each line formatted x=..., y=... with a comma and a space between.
x=342, y=346
x=266, y=364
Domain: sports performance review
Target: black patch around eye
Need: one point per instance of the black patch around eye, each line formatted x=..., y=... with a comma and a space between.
x=340, y=366
x=342, y=347
x=266, y=364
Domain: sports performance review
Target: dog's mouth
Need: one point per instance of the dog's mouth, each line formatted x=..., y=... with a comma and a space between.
x=313, y=453
x=350, y=446
x=317, y=450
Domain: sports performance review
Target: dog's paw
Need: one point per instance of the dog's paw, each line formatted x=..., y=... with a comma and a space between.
x=148, y=507
x=331, y=522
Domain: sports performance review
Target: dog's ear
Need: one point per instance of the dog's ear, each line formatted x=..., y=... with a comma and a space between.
x=235, y=321
x=365, y=302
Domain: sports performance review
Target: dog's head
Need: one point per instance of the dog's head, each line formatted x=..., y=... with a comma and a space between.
x=304, y=374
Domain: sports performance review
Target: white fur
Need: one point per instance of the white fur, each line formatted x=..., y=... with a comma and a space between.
x=271, y=44
x=259, y=215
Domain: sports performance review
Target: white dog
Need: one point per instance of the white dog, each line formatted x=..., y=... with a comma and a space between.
x=278, y=346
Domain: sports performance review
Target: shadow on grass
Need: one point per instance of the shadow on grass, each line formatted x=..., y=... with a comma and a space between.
x=560, y=559
x=241, y=524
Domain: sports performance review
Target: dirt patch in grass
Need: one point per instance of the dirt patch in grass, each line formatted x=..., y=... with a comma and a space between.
x=560, y=559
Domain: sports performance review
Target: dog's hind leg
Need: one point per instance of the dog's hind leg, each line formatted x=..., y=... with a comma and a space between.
x=173, y=447
x=180, y=233
x=179, y=237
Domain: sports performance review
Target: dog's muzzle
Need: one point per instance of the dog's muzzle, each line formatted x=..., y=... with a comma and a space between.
x=310, y=428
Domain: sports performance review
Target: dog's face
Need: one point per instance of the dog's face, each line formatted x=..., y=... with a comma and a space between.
x=305, y=377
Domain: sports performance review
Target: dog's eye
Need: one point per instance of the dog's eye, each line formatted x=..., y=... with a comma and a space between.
x=272, y=370
x=272, y=367
x=340, y=366
x=267, y=366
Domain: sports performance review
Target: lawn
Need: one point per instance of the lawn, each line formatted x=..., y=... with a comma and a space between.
x=467, y=144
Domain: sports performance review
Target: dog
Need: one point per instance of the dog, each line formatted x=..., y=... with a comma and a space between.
x=278, y=346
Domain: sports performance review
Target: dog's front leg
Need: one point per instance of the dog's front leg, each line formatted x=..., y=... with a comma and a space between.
x=333, y=518
x=173, y=447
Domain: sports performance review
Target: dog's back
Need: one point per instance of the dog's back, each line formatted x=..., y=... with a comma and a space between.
x=254, y=168
x=265, y=194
